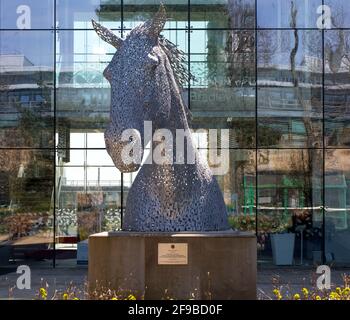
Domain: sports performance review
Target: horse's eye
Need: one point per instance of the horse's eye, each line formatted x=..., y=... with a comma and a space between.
x=152, y=59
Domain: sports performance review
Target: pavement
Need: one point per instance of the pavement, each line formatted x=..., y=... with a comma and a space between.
x=289, y=279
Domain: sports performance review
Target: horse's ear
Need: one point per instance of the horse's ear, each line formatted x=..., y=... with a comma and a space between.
x=107, y=35
x=156, y=24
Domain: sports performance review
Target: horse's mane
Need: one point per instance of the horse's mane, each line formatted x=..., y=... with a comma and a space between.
x=177, y=61
x=176, y=58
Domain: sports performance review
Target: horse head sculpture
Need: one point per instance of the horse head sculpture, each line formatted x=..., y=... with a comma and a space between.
x=146, y=75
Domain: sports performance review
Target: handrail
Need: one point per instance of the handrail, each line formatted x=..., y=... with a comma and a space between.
x=325, y=208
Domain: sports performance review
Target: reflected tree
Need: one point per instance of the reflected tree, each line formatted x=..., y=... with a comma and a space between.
x=314, y=161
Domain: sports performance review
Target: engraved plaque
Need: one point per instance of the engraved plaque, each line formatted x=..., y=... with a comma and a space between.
x=172, y=253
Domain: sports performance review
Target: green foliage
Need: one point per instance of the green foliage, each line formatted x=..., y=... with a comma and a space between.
x=242, y=222
x=268, y=136
x=245, y=132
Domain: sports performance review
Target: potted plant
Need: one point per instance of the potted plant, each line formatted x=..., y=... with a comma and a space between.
x=283, y=248
x=282, y=241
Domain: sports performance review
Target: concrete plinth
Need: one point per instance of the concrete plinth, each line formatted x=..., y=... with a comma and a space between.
x=220, y=265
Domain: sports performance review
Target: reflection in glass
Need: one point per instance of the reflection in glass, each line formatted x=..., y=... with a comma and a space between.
x=340, y=13
x=28, y=14
x=83, y=94
x=289, y=88
x=222, y=14
x=223, y=92
x=337, y=89
x=337, y=202
x=89, y=195
x=26, y=215
x=77, y=14
x=238, y=188
x=26, y=89
x=289, y=201
x=278, y=13
x=138, y=11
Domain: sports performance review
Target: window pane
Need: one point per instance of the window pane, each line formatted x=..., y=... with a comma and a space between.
x=289, y=88
x=87, y=157
x=83, y=94
x=26, y=215
x=26, y=14
x=222, y=14
x=26, y=89
x=138, y=11
x=77, y=14
x=278, y=13
x=88, y=201
x=95, y=140
x=337, y=202
x=337, y=79
x=289, y=200
x=223, y=91
x=238, y=188
x=99, y=158
x=339, y=12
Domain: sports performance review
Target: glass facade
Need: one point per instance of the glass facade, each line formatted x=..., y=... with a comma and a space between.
x=275, y=73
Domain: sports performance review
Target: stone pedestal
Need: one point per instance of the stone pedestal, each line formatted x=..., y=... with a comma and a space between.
x=209, y=265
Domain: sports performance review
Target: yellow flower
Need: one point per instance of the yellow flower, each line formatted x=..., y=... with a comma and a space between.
x=296, y=296
x=334, y=296
x=65, y=296
x=338, y=290
x=277, y=294
x=318, y=298
x=114, y=298
x=131, y=297
x=305, y=292
x=75, y=298
x=43, y=293
x=346, y=291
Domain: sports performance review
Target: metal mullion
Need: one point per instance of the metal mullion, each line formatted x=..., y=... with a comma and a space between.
x=121, y=173
x=256, y=117
x=173, y=29
x=54, y=132
x=189, y=52
x=26, y=148
x=323, y=244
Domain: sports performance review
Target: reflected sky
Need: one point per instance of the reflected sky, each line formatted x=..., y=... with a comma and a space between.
x=277, y=13
x=38, y=46
x=78, y=13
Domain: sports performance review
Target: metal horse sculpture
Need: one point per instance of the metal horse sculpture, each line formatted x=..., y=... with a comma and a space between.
x=146, y=74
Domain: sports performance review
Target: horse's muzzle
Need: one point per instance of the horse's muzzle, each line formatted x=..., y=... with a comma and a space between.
x=122, y=153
